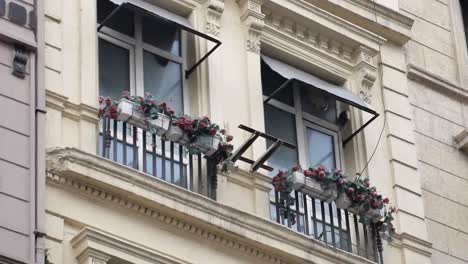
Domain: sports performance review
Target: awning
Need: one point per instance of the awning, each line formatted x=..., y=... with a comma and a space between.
x=169, y=17
x=341, y=94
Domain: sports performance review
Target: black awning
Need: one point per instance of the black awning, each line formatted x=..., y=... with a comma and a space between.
x=169, y=17
x=339, y=93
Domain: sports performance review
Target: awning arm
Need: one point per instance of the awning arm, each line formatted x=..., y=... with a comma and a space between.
x=284, y=85
x=359, y=129
x=189, y=71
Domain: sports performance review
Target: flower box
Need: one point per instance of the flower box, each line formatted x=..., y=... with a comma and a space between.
x=161, y=124
x=313, y=188
x=206, y=144
x=126, y=112
x=374, y=215
x=176, y=134
x=343, y=201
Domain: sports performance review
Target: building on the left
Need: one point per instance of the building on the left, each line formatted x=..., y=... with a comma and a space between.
x=22, y=119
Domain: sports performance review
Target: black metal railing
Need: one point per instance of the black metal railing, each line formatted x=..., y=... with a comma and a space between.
x=324, y=221
x=139, y=149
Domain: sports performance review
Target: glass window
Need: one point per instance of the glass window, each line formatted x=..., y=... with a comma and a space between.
x=114, y=69
x=318, y=104
x=320, y=148
x=282, y=125
x=162, y=35
x=122, y=21
x=163, y=78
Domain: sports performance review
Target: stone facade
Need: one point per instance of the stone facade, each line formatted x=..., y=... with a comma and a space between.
x=405, y=58
x=22, y=152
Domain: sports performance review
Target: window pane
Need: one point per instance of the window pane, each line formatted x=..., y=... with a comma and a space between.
x=282, y=125
x=122, y=21
x=114, y=69
x=163, y=79
x=161, y=34
x=321, y=149
x=318, y=104
x=272, y=81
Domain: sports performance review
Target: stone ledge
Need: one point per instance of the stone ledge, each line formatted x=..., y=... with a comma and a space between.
x=420, y=75
x=461, y=141
x=112, y=182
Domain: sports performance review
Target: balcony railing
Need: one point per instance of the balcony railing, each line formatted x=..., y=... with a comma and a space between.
x=335, y=227
x=166, y=160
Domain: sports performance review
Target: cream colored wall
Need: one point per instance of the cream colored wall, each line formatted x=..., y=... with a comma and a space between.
x=438, y=116
x=227, y=87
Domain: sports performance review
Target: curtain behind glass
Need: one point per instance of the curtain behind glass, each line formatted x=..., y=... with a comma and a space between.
x=114, y=70
x=163, y=79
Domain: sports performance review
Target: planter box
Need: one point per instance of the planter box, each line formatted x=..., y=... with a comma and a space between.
x=126, y=112
x=343, y=201
x=161, y=124
x=314, y=188
x=176, y=134
x=374, y=215
x=206, y=144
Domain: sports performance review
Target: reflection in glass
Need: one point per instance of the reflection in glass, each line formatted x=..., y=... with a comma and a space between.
x=163, y=79
x=282, y=125
x=321, y=149
x=114, y=69
x=318, y=104
x=161, y=34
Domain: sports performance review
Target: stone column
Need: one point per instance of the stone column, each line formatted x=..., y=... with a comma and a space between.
x=253, y=20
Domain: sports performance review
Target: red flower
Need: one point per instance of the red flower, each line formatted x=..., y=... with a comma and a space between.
x=223, y=131
x=108, y=101
x=203, y=125
x=229, y=138
x=100, y=99
x=386, y=200
x=308, y=173
x=360, y=197
x=163, y=105
x=321, y=175
x=212, y=132
x=340, y=182
x=350, y=190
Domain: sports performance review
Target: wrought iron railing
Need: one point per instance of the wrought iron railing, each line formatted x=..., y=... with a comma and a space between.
x=139, y=149
x=333, y=226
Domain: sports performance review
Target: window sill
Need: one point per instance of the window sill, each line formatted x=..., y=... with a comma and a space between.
x=114, y=183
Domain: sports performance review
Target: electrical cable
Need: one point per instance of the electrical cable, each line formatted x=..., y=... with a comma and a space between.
x=384, y=117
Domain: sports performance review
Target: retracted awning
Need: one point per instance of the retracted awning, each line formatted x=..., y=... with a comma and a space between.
x=293, y=74
x=160, y=13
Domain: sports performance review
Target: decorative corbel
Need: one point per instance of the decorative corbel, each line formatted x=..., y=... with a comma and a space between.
x=461, y=141
x=366, y=69
x=253, y=19
x=214, y=11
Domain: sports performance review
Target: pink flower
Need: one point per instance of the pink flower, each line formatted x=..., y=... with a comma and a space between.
x=100, y=99
x=308, y=173
x=229, y=138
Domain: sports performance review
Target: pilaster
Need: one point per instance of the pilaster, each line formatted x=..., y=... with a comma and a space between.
x=253, y=22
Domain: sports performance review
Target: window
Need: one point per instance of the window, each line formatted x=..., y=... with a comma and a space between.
x=132, y=57
x=307, y=118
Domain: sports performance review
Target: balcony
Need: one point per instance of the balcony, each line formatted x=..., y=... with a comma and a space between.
x=171, y=162
x=335, y=227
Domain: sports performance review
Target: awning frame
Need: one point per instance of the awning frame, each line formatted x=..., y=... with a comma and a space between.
x=290, y=81
x=126, y=4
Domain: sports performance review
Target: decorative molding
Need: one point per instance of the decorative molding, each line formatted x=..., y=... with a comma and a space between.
x=253, y=19
x=71, y=110
x=214, y=11
x=197, y=215
x=96, y=256
x=92, y=240
x=433, y=81
x=368, y=79
x=461, y=141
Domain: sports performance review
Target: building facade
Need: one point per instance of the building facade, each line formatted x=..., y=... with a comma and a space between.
x=22, y=127
x=117, y=194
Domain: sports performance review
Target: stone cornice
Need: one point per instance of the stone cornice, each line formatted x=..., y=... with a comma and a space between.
x=435, y=82
x=194, y=214
x=89, y=239
x=368, y=14
x=405, y=240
